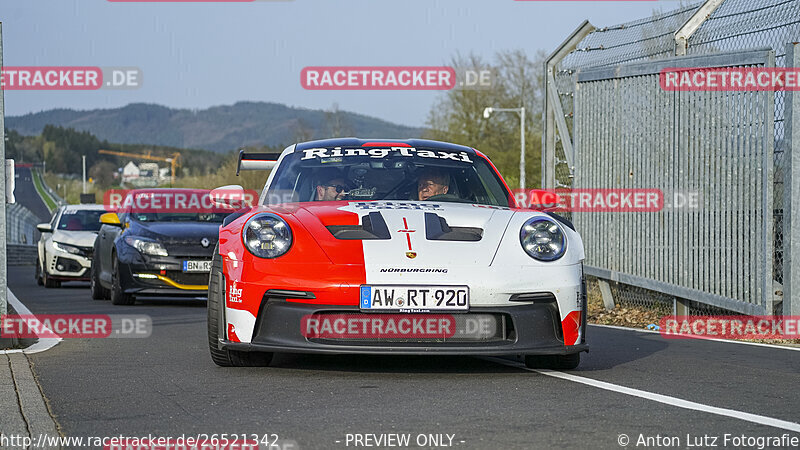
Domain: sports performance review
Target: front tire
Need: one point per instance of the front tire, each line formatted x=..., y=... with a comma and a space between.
x=555, y=362
x=49, y=282
x=216, y=299
x=38, y=274
x=118, y=296
x=98, y=291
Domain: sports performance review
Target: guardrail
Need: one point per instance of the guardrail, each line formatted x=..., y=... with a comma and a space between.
x=20, y=255
x=21, y=225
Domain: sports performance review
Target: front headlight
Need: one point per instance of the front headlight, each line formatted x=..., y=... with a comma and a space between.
x=66, y=248
x=146, y=246
x=543, y=239
x=267, y=235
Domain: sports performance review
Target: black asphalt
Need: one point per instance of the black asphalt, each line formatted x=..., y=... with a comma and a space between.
x=166, y=385
x=26, y=195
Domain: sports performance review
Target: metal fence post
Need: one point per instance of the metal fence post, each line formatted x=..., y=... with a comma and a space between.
x=3, y=275
x=694, y=22
x=680, y=307
x=791, y=192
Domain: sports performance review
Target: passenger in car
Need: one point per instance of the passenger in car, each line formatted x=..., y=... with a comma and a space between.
x=432, y=182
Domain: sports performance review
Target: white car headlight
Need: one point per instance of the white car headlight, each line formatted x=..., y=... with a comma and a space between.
x=146, y=246
x=267, y=235
x=60, y=246
x=543, y=239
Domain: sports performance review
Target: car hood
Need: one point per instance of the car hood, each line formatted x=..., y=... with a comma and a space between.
x=174, y=232
x=78, y=238
x=423, y=234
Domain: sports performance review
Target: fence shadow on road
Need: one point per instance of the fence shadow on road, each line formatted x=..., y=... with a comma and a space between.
x=610, y=348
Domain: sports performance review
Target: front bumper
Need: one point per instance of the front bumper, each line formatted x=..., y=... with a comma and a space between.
x=528, y=329
x=164, y=278
x=65, y=266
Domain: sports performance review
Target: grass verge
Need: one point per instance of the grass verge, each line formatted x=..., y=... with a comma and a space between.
x=37, y=183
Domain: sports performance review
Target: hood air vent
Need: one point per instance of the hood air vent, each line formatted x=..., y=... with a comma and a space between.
x=372, y=227
x=436, y=229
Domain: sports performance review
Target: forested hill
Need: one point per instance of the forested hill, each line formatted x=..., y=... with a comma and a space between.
x=219, y=128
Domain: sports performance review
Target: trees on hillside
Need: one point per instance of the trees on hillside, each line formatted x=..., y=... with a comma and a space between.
x=457, y=116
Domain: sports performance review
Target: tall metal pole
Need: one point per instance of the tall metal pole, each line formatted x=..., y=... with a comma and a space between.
x=84, y=173
x=522, y=149
x=3, y=252
x=521, y=111
x=791, y=193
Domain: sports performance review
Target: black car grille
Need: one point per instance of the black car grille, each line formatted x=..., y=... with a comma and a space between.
x=68, y=265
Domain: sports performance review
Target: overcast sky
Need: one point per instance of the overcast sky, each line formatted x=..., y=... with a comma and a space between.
x=195, y=55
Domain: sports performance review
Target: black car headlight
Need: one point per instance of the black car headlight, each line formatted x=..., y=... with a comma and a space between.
x=267, y=235
x=146, y=246
x=543, y=239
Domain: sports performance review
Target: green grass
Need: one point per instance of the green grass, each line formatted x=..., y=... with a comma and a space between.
x=37, y=183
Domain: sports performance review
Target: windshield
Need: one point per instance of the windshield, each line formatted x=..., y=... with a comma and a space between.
x=397, y=173
x=173, y=205
x=178, y=217
x=80, y=220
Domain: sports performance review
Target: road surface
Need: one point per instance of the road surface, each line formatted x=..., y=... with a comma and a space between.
x=166, y=385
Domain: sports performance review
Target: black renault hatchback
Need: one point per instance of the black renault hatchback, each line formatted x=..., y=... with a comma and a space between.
x=159, y=242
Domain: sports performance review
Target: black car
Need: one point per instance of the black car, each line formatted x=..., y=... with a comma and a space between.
x=148, y=251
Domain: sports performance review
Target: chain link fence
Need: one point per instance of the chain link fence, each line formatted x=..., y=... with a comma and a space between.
x=633, y=296
x=21, y=225
x=734, y=25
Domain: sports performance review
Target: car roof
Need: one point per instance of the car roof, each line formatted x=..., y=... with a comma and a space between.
x=83, y=207
x=166, y=190
x=357, y=142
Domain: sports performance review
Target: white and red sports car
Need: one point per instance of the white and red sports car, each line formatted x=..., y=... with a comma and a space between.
x=399, y=247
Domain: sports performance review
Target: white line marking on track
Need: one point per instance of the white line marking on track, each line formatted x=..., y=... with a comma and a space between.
x=728, y=341
x=43, y=343
x=666, y=399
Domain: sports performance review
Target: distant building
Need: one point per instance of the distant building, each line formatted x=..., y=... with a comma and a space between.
x=142, y=175
x=130, y=172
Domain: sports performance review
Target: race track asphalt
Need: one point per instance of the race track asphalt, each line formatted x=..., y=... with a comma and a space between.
x=166, y=385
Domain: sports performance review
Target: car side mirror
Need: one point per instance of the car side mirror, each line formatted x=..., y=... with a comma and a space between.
x=44, y=228
x=231, y=196
x=110, y=219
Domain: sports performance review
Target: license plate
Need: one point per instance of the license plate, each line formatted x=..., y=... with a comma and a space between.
x=197, y=266
x=414, y=298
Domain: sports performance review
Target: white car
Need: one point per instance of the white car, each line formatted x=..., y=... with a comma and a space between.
x=392, y=247
x=65, y=248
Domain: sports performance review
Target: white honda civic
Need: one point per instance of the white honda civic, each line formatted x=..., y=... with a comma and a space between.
x=65, y=248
